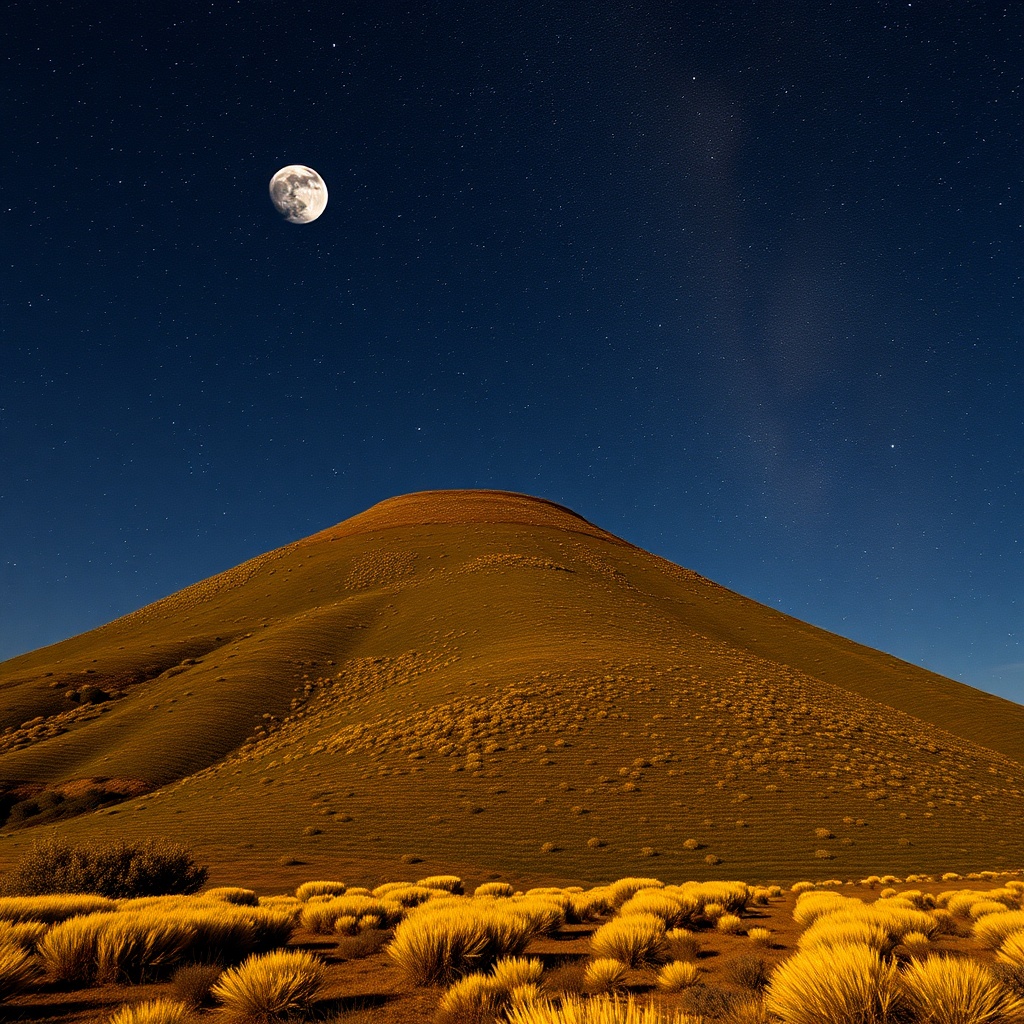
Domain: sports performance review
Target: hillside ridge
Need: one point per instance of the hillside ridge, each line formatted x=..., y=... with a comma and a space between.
x=501, y=652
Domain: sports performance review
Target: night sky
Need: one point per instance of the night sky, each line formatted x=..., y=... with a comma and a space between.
x=739, y=282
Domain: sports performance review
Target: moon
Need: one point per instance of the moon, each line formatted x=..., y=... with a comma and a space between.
x=298, y=193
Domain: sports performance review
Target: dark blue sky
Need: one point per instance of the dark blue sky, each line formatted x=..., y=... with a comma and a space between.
x=739, y=282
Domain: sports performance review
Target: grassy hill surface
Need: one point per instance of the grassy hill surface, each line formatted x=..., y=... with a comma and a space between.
x=484, y=679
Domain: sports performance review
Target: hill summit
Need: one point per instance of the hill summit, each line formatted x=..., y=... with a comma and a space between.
x=487, y=678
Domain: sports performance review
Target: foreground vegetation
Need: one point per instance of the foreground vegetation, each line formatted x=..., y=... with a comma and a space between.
x=878, y=950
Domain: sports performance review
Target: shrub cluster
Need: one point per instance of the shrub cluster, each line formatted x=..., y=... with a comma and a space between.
x=119, y=870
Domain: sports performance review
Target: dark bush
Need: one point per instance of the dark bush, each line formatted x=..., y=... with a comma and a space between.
x=119, y=870
x=750, y=971
x=357, y=947
x=1012, y=976
x=192, y=983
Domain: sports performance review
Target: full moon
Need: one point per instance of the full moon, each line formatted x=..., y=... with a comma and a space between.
x=298, y=193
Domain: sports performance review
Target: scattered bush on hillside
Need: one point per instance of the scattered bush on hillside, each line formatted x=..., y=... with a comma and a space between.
x=119, y=870
x=729, y=924
x=761, y=937
x=51, y=805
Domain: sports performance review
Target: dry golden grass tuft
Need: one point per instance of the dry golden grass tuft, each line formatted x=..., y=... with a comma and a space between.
x=992, y=930
x=308, y=890
x=272, y=984
x=605, y=974
x=1012, y=949
x=677, y=975
x=844, y=984
x=17, y=970
x=634, y=940
x=955, y=990
x=157, y=1011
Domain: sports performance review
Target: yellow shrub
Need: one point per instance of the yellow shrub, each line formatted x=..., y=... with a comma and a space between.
x=512, y=971
x=833, y=985
x=634, y=940
x=233, y=894
x=272, y=984
x=729, y=924
x=916, y=942
x=948, y=990
x=546, y=913
x=67, y=951
x=575, y=1010
x=985, y=907
x=626, y=888
x=604, y=974
x=308, y=889
x=17, y=970
x=450, y=883
x=712, y=911
x=222, y=934
x=472, y=993
x=25, y=934
x=833, y=931
x=50, y=909
x=658, y=902
x=760, y=937
x=1012, y=950
x=501, y=889
x=530, y=993
x=440, y=942
x=320, y=917
x=347, y=925
x=812, y=905
x=677, y=975
x=992, y=930
x=157, y=1011
x=898, y=921
x=136, y=946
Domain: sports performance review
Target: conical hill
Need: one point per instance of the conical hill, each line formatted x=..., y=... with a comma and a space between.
x=487, y=679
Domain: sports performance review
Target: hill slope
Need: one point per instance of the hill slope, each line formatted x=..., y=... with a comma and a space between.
x=477, y=675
